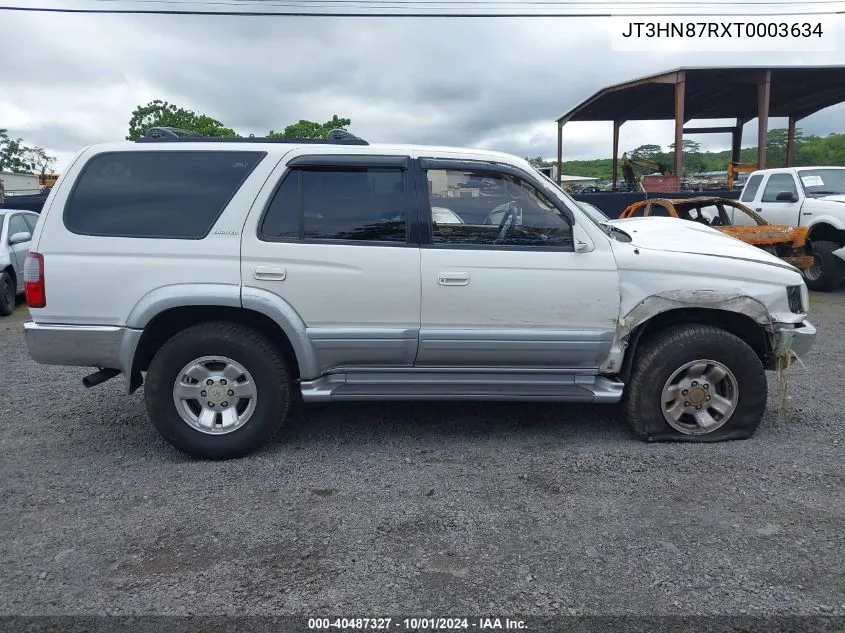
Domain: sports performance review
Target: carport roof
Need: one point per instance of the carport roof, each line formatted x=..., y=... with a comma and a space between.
x=716, y=93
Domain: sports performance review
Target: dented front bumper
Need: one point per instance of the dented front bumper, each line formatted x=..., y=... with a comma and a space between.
x=798, y=338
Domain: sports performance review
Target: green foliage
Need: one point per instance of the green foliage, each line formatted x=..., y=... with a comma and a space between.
x=539, y=161
x=809, y=150
x=16, y=156
x=647, y=151
x=310, y=129
x=160, y=113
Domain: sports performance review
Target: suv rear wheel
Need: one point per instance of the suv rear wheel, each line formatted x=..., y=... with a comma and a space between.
x=218, y=390
x=695, y=383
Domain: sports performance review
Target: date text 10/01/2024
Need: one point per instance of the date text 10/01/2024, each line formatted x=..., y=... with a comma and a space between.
x=722, y=29
x=415, y=624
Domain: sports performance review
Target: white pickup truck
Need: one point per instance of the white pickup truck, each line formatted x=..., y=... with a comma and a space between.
x=805, y=196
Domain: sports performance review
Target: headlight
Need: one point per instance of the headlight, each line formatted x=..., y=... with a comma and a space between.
x=795, y=294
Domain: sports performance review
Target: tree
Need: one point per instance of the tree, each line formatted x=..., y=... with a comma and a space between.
x=539, y=161
x=13, y=154
x=40, y=161
x=159, y=113
x=17, y=157
x=687, y=147
x=653, y=152
x=776, y=146
x=692, y=159
x=310, y=129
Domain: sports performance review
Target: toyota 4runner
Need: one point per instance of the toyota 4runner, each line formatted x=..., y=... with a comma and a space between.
x=231, y=277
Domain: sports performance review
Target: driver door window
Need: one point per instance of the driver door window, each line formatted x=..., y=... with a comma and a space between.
x=490, y=209
x=776, y=184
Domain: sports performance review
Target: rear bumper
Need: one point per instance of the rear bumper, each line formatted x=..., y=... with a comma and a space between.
x=798, y=338
x=82, y=345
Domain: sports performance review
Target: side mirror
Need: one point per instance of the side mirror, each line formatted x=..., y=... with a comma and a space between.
x=583, y=243
x=786, y=196
x=23, y=236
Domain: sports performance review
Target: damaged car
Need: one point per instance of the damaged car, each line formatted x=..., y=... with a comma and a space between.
x=733, y=218
x=332, y=271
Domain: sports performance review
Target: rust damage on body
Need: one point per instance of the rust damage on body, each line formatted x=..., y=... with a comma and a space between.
x=789, y=243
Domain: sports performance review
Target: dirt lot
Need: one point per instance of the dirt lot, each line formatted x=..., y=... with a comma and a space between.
x=420, y=508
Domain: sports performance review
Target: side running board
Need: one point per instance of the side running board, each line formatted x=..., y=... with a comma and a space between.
x=452, y=385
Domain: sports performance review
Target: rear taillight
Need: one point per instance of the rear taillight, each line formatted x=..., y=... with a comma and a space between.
x=33, y=280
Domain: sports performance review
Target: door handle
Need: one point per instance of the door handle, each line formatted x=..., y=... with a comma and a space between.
x=270, y=273
x=453, y=279
x=759, y=209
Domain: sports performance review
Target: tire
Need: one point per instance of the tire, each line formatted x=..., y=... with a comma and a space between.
x=831, y=268
x=218, y=351
x=660, y=357
x=7, y=294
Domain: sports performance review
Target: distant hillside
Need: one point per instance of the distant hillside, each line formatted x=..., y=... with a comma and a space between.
x=809, y=150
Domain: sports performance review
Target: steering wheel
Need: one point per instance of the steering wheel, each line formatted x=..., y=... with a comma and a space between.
x=508, y=220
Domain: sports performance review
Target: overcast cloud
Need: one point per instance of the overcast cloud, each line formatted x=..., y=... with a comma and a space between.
x=483, y=83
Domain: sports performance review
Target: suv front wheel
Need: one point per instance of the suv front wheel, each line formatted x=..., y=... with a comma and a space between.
x=218, y=390
x=695, y=383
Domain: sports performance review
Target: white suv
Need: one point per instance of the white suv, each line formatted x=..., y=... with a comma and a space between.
x=238, y=274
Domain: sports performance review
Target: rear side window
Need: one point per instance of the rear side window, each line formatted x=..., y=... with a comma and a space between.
x=350, y=204
x=178, y=194
x=751, y=188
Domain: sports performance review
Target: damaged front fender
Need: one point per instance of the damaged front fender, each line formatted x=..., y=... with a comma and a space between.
x=666, y=301
x=707, y=299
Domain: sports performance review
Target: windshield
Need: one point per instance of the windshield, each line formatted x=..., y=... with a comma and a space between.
x=596, y=214
x=823, y=182
x=604, y=224
x=560, y=193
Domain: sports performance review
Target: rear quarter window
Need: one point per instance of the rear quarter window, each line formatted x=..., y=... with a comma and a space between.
x=751, y=188
x=156, y=194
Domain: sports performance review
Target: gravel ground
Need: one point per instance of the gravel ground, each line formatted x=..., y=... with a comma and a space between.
x=420, y=508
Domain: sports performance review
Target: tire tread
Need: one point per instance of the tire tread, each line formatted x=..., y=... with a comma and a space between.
x=156, y=389
x=637, y=410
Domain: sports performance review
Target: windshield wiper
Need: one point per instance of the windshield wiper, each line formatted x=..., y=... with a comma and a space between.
x=827, y=193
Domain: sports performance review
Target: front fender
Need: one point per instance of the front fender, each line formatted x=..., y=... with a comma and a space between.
x=836, y=222
x=656, y=304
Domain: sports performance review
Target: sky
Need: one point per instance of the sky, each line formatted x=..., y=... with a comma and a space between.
x=491, y=83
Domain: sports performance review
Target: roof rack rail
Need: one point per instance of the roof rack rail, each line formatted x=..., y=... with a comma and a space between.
x=169, y=132
x=337, y=136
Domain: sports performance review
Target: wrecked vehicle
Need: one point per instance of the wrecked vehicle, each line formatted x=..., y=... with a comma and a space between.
x=733, y=218
x=812, y=198
x=334, y=271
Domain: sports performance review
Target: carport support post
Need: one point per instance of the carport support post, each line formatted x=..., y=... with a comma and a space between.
x=790, y=141
x=680, y=88
x=736, y=141
x=559, y=152
x=763, y=93
x=616, y=125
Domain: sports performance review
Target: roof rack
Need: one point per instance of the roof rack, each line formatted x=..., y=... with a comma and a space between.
x=169, y=132
x=337, y=136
